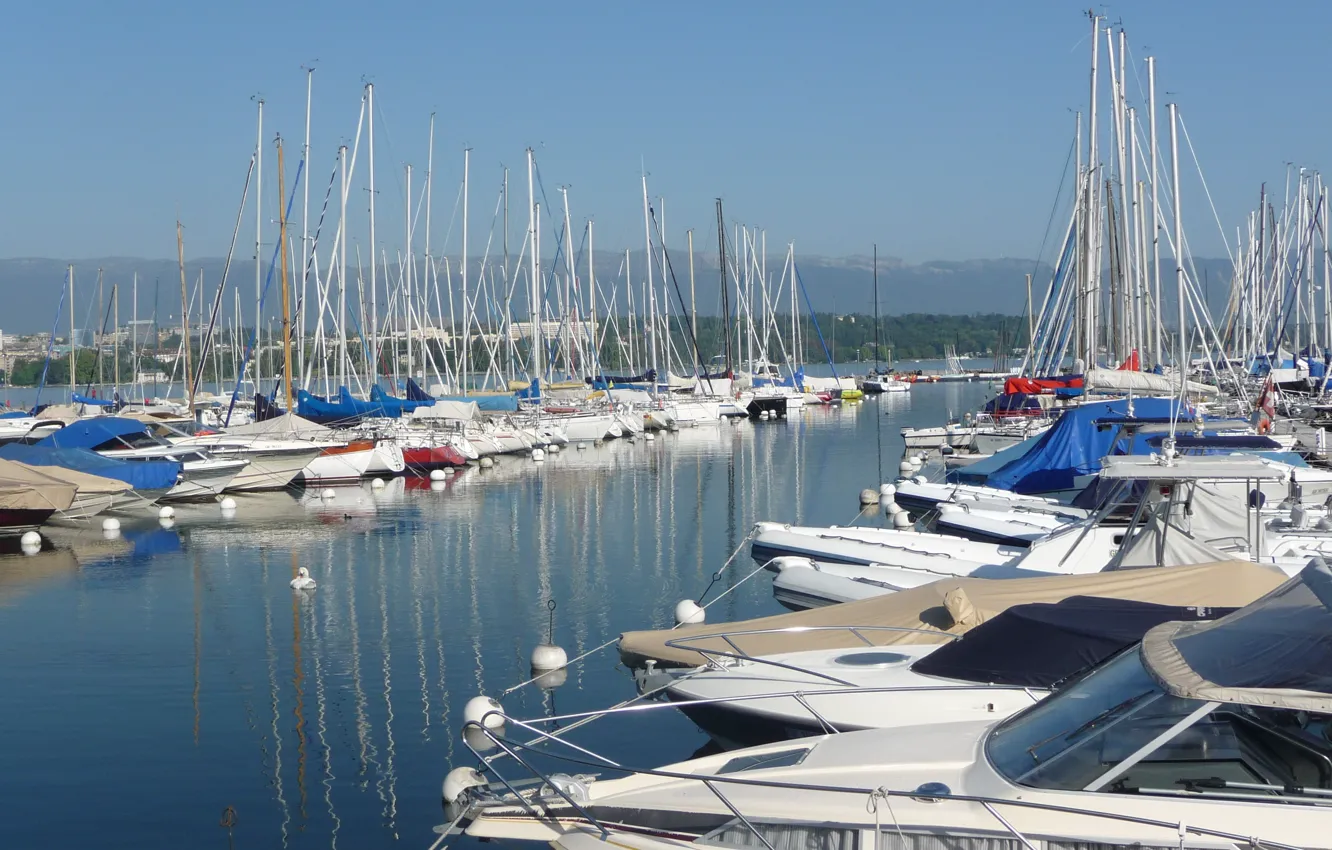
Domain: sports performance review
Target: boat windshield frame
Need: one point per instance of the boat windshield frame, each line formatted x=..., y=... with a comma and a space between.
x=1092, y=734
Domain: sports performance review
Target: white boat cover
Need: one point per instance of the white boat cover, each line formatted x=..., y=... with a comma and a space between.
x=286, y=426
x=464, y=411
x=954, y=606
x=1115, y=380
x=1276, y=652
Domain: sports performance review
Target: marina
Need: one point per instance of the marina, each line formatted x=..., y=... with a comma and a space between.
x=450, y=497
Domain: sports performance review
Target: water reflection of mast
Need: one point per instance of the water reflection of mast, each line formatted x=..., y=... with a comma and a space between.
x=368, y=754
x=198, y=643
x=321, y=724
x=273, y=699
x=298, y=684
x=387, y=776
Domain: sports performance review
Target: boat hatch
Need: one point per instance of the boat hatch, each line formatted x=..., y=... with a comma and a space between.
x=871, y=659
x=764, y=761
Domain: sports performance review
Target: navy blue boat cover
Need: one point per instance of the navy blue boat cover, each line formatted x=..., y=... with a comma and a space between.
x=1042, y=644
x=88, y=433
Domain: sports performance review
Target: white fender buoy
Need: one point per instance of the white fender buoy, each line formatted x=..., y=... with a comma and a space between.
x=868, y=497
x=674, y=427
x=688, y=612
x=538, y=455
x=110, y=524
x=376, y=484
x=548, y=656
x=227, y=504
x=887, y=490
x=901, y=519
x=328, y=495
x=554, y=448
x=302, y=580
x=459, y=780
x=487, y=462
x=485, y=711
x=889, y=506
x=906, y=468
x=29, y=539
x=648, y=435
x=438, y=474
x=448, y=471
x=921, y=479
x=581, y=446
x=478, y=740
x=167, y=512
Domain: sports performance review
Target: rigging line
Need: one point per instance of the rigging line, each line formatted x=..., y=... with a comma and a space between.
x=698, y=355
x=1206, y=191
x=205, y=343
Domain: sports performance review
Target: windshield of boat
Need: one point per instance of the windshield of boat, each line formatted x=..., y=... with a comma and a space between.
x=1116, y=730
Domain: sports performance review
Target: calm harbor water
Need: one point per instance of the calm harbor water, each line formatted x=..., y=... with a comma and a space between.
x=154, y=680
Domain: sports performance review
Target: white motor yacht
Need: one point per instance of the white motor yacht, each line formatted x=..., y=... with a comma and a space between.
x=1209, y=735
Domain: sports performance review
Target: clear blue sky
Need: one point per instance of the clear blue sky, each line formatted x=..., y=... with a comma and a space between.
x=938, y=129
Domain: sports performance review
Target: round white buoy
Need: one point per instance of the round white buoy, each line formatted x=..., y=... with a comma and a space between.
x=915, y=463
x=485, y=711
x=674, y=427
x=554, y=448
x=887, y=490
x=906, y=468
x=449, y=471
x=581, y=446
x=688, y=612
x=649, y=436
x=548, y=656
x=377, y=484
x=924, y=456
x=436, y=475
x=921, y=479
x=227, y=504
x=889, y=506
x=487, y=462
x=30, y=538
x=901, y=519
x=166, y=522
x=478, y=740
x=328, y=495
x=538, y=455
x=31, y=549
x=110, y=524
x=868, y=497
x=166, y=512
x=438, y=486
x=459, y=780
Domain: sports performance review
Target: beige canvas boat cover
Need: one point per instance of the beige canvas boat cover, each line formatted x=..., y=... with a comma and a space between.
x=1275, y=652
x=24, y=488
x=954, y=606
x=84, y=482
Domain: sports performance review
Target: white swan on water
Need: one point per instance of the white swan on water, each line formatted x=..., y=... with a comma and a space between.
x=302, y=580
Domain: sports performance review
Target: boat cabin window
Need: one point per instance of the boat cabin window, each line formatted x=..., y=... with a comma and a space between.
x=128, y=441
x=1117, y=731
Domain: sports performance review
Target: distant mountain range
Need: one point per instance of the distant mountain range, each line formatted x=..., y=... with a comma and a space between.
x=32, y=287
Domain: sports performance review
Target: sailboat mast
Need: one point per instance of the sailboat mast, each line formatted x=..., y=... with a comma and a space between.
x=305, y=222
x=537, y=342
x=651, y=300
x=185, y=307
x=342, y=273
x=406, y=272
x=258, y=240
x=876, y=306
x=1179, y=245
x=374, y=284
x=592, y=304
x=1156, y=215
x=115, y=302
x=726, y=301
x=466, y=360
x=73, y=343
x=693, y=304
x=286, y=284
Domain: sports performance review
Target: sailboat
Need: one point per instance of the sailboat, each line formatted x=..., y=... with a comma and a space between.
x=880, y=381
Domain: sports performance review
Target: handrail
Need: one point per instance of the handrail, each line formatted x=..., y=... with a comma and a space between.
x=984, y=801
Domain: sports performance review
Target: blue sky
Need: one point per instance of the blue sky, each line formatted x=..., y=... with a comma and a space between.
x=937, y=129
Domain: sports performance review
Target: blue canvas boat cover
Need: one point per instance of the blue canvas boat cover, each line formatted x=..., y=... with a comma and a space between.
x=140, y=474
x=1074, y=446
x=502, y=403
x=89, y=433
x=378, y=396
x=99, y=402
x=980, y=471
x=415, y=393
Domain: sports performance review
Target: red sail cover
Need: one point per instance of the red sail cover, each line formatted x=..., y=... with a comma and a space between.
x=1038, y=386
x=1132, y=364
